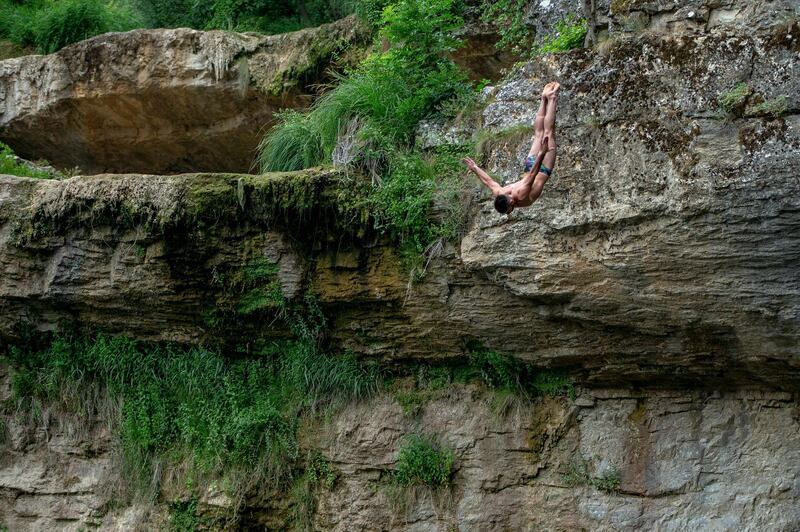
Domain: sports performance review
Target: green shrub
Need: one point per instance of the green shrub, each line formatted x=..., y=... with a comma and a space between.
x=64, y=22
x=9, y=165
x=376, y=108
x=183, y=516
x=775, y=108
x=733, y=101
x=509, y=18
x=569, y=34
x=423, y=462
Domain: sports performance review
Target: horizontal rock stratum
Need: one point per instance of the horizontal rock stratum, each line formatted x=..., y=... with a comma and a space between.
x=164, y=101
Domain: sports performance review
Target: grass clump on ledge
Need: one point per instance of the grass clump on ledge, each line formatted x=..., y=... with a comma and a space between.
x=422, y=461
x=733, y=101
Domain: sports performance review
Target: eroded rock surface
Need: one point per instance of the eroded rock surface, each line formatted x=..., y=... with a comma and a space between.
x=685, y=462
x=163, y=101
x=663, y=249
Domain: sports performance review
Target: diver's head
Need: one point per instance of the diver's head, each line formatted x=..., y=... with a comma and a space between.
x=504, y=204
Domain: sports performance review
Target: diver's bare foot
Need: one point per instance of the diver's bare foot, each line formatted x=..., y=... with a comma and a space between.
x=551, y=89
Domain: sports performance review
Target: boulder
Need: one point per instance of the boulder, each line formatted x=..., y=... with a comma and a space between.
x=167, y=100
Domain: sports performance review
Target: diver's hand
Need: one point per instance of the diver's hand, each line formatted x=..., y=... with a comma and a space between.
x=470, y=163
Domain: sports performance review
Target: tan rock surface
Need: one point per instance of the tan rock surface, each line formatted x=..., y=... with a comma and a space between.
x=163, y=101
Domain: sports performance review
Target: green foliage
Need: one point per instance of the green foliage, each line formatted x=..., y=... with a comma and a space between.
x=183, y=516
x=375, y=109
x=9, y=165
x=219, y=414
x=503, y=372
x=423, y=462
x=52, y=24
x=576, y=473
x=609, y=481
x=271, y=16
x=508, y=16
x=411, y=401
x=569, y=34
x=371, y=11
x=320, y=471
x=733, y=101
x=775, y=107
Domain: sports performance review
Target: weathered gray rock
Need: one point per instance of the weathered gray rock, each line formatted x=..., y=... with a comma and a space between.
x=684, y=462
x=163, y=101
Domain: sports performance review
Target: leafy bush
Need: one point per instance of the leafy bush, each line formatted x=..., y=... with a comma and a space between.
x=10, y=166
x=52, y=24
x=183, y=516
x=569, y=34
x=423, y=462
x=64, y=22
x=509, y=18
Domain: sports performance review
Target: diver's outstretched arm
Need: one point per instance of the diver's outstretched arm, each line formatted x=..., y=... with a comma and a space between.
x=485, y=178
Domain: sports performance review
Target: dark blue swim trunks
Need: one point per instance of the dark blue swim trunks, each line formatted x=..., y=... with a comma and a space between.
x=528, y=165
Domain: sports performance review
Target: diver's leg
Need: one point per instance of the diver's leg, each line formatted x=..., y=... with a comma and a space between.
x=550, y=127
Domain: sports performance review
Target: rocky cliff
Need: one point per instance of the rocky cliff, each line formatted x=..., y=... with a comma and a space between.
x=658, y=271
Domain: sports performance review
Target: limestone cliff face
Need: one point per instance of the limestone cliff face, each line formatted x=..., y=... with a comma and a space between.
x=658, y=270
x=164, y=101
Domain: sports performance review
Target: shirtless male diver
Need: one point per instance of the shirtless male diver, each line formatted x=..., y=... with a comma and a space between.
x=537, y=168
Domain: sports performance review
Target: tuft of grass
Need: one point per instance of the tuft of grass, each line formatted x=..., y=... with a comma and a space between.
x=733, y=101
x=422, y=461
x=609, y=481
x=10, y=166
x=775, y=107
x=576, y=473
x=569, y=34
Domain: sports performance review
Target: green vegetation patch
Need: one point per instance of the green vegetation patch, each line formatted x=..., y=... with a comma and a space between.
x=216, y=416
x=733, y=101
x=509, y=378
x=368, y=120
x=576, y=473
x=422, y=461
x=508, y=16
x=10, y=166
x=49, y=25
x=774, y=108
x=568, y=34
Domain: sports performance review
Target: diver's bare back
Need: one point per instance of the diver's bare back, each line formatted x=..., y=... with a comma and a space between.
x=537, y=166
